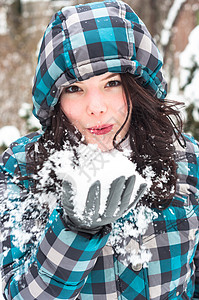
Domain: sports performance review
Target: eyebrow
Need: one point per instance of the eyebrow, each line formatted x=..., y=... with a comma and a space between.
x=108, y=77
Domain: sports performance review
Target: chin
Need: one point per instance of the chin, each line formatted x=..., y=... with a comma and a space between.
x=101, y=146
x=104, y=148
x=104, y=143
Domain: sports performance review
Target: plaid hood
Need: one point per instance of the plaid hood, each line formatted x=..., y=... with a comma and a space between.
x=87, y=40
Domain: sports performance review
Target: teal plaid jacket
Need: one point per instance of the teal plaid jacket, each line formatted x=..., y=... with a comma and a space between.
x=81, y=42
x=68, y=265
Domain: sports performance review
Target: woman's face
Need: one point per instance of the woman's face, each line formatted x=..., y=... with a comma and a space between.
x=97, y=108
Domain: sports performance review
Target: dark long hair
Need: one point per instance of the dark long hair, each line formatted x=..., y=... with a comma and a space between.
x=151, y=136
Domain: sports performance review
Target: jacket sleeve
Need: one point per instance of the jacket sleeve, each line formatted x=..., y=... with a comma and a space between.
x=60, y=267
x=55, y=267
x=196, y=261
x=196, y=257
x=192, y=156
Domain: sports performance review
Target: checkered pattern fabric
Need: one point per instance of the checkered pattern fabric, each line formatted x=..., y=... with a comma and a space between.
x=68, y=265
x=87, y=40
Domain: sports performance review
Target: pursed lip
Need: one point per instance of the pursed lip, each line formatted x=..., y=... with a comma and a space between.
x=101, y=129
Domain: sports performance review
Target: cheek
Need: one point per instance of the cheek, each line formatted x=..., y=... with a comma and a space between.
x=71, y=110
x=120, y=108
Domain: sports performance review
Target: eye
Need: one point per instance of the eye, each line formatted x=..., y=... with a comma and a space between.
x=113, y=83
x=72, y=89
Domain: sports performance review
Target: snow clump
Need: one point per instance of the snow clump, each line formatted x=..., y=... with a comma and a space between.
x=93, y=165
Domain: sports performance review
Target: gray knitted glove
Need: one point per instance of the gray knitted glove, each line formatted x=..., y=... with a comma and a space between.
x=116, y=205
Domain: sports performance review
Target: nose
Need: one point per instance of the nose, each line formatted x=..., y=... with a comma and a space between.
x=96, y=104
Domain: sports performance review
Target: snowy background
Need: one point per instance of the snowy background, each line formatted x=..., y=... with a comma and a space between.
x=174, y=25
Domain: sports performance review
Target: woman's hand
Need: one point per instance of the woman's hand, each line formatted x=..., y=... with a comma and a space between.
x=118, y=202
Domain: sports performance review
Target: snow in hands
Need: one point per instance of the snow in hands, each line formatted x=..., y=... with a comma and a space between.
x=93, y=165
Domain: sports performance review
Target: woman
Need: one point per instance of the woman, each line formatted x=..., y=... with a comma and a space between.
x=99, y=85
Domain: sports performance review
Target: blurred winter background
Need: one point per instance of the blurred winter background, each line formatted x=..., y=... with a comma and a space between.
x=174, y=24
